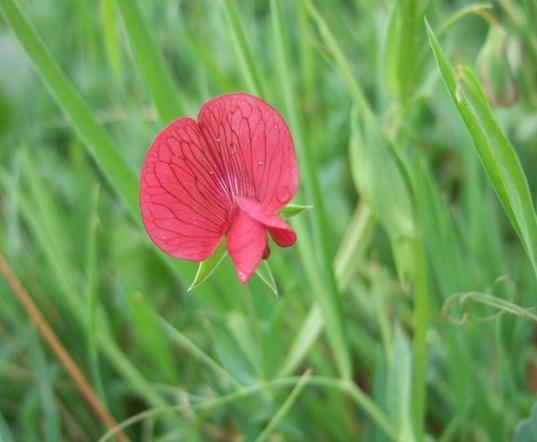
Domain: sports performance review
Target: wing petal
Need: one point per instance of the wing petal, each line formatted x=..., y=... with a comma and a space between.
x=183, y=208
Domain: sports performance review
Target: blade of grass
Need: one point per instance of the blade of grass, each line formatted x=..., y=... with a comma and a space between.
x=497, y=155
x=400, y=48
x=303, y=341
x=111, y=39
x=284, y=409
x=198, y=353
x=358, y=396
x=92, y=134
x=249, y=67
x=328, y=299
x=156, y=75
x=50, y=412
x=339, y=58
x=58, y=349
x=355, y=241
x=67, y=288
x=421, y=324
x=91, y=295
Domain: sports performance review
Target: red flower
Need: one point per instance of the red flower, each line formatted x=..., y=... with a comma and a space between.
x=226, y=174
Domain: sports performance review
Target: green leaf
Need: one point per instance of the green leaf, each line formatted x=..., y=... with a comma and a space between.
x=98, y=142
x=497, y=155
x=247, y=61
x=156, y=75
x=399, y=381
x=292, y=210
x=111, y=37
x=284, y=409
x=328, y=293
x=265, y=274
x=494, y=68
x=207, y=267
x=378, y=176
x=400, y=47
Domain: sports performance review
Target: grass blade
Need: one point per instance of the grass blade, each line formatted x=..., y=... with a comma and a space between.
x=328, y=300
x=497, y=155
x=284, y=409
x=156, y=75
x=90, y=131
x=248, y=65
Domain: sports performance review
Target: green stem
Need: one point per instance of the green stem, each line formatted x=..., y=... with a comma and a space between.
x=156, y=75
x=367, y=405
x=421, y=323
x=329, y=300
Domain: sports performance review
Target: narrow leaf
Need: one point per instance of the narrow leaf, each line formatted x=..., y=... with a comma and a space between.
x=378, y=176
x=292, y=210
x=90, y=131
x=497, y=155
x=247, y=61
x=156, y=74
x=265, y=274
x=207, y=267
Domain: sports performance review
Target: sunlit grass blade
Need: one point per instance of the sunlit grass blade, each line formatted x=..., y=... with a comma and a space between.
x=90, y=131
x=156, y=74
x=497, y=155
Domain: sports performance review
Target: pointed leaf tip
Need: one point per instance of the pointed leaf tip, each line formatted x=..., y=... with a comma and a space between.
x=265, y=274
x=207, y=267
x=293, y=209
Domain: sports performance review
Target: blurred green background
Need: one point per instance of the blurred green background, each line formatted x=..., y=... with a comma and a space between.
x=404, y=310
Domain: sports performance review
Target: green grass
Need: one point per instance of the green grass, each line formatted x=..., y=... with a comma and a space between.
x=405, y=310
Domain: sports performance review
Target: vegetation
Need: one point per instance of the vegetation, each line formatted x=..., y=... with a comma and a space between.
x=405, y=310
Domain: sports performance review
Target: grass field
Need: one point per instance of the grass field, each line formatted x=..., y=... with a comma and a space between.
x=405, y=310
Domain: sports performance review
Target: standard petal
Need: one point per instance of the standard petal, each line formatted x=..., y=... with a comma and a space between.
x=183, y=208
x=246, y=243
x=252, y=147
x=281, y=232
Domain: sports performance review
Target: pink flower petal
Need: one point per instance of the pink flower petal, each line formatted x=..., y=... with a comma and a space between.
x=252, y=148
x=183, y=209
x=246, y=243
x=281, y=232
